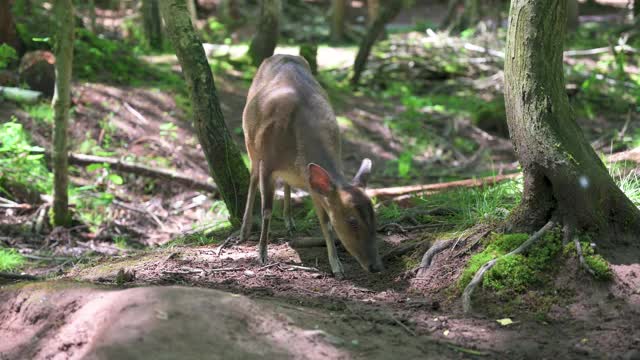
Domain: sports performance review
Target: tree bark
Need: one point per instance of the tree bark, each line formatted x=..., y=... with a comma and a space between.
x=573, y=15
x=470, y=16
x=373, y=10
x=265, y=40
x=8, y=32
x=563, y=176
x=338, y=10
x=636, y=11
x=64, y=36
x=225, y=162
x=388, y=11
x=152, y=24
x=92, y=16
x=193, y=12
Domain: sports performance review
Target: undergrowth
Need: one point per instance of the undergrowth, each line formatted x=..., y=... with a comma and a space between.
x=10, y=259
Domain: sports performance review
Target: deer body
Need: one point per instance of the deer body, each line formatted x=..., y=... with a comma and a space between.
x=291, y=133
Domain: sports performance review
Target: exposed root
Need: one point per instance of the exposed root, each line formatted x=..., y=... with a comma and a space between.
x=17, y=277
x=581, y=257
x=433, y=251
x=234, y=237
x=477, y=278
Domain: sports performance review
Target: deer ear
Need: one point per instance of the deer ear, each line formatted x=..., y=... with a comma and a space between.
x=320, y=180
x=361, y=178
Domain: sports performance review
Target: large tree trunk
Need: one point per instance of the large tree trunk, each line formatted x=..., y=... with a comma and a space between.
x=225, y=163
x=388, y=11
x=151, y=23
x=563, y=176
x=8, y=32
x=64, y=35
x=265, y=40
x=338, y=9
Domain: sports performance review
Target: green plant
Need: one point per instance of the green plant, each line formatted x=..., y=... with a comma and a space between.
x=41, y=112
x=7, y=55
x=10, y=259
x=21, y=162
x=169, y=130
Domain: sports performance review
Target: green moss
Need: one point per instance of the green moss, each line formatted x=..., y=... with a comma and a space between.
x=515, y=273
x=600, y=266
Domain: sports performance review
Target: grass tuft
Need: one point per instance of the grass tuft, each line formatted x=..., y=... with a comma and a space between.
x=10, y=259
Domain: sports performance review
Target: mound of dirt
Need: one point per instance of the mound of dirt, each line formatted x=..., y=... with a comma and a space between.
x=71, y=321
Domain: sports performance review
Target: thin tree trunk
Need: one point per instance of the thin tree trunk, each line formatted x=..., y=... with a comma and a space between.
x=452, y=11
x=8, y=32
x=388, y=11
x=92, y=15
x=469, y=17
x=265, y=40
x=338, y=9
x=563, y=176
x=573, y=16
x=225, y=162
x=64, y=36
x=373, y=10
x=636, y=10
x=152, y=24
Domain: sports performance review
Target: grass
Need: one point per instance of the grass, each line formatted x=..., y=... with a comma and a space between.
x=462, y=208
x=10, y=259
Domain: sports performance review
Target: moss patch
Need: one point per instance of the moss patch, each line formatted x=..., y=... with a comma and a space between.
x=518, y=272
x=597, y=263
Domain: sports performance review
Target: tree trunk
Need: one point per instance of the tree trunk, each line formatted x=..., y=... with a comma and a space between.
x=373, y=10
x=387, y=13
x=452, y=13
x=309, y=51
x=152, y=24
x=338, y=9
x=193, y=12
x=92, y=16
x=636, y=10
x=8, y=32
x=563, y=176
x=266, y=38
x=225, y=162
x=469, y=17
x=573, y=16
x=64, y=36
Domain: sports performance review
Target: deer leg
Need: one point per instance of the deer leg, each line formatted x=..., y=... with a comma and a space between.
x=247, y=219
x=286, y=209
x=267, y=192
x=334, y=261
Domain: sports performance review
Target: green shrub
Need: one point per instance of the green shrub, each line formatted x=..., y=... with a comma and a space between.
x=10, y=259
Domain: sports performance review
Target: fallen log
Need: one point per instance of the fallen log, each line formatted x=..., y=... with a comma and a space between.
x=162, y=174
x=20, y=95
x=417, y=189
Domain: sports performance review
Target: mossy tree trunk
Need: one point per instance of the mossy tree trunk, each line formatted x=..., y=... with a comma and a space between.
x=64, y=36
x=338, y=10
x=151, y=23
x=563, y=176
x=265, y=40
x=225, y=162
x=388, y=11
x=193, y=11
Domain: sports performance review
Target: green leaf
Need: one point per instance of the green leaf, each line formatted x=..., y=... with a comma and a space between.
x=94, y=167
x=116, y=179
x=505, y=321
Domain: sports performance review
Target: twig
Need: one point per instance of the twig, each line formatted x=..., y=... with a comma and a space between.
x=477, y=278
x=405, y=327
x=7, y=201
x=135, y=113
x=15, y=206
x=45, y=258
x=233, y=237
x=138, y=210
x=303, y=268
x=268, y=266
x=227, y=269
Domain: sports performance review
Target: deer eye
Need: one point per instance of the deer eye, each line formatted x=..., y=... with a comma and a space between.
x=353, y=222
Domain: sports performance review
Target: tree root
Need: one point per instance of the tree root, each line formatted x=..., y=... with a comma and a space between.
x=477, y=278
x=581, y=257
x=429, y=255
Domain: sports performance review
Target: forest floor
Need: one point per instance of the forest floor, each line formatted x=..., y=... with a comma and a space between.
x=144, y=270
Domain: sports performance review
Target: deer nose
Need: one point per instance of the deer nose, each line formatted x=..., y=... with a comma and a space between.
x=374, y=268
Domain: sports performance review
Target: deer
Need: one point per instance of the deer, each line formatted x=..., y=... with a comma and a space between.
x=291, y=134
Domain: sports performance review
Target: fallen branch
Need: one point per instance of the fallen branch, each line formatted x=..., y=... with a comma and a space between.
x=14, y=276
x=477, y=278
x=20, y=95
x=162, y=174
x=416, y=189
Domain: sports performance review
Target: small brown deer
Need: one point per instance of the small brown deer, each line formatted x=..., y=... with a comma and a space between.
x=291, y=133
